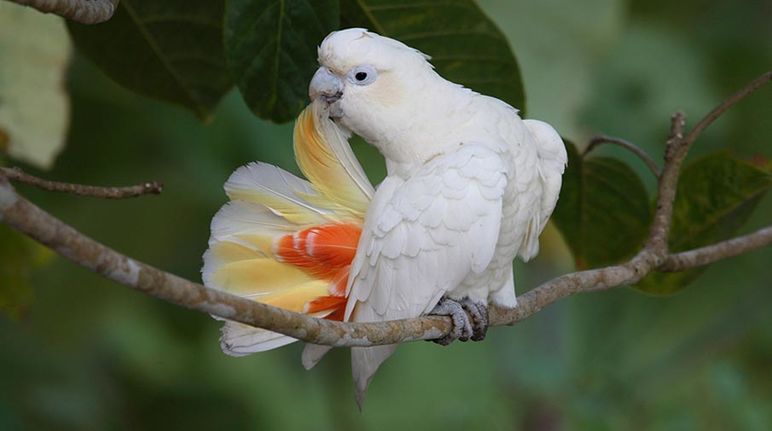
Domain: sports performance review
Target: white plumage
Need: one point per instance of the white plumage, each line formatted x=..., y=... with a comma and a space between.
x=470, y=186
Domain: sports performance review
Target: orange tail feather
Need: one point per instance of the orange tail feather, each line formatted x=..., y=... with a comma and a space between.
x=326, y=252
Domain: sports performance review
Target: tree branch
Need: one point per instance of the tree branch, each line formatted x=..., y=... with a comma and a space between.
x=675, y=153
x=82, y=11
x=17, y=175
x=726, y=104
x=25, y=217
x=719, y=251
x=638, y=151
x=30, y=220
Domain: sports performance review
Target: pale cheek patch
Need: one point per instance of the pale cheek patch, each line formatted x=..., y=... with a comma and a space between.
x=387, y=92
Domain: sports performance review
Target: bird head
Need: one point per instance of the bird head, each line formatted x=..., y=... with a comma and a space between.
x=370, y=82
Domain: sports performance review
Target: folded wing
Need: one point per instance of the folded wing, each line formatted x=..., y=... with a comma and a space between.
x=421, y=238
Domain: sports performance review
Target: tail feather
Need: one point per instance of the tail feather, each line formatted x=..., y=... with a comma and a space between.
x=326, y=159
x=365, y=361
x=286, y=241
x=240, y=340
x=312, y=354
x=278, y=190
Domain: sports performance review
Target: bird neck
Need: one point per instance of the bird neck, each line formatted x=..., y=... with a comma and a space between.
x=427, y=127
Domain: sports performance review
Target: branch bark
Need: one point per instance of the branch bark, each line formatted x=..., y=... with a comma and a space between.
x=82, y=11
x=17, y=175
x=25, y=217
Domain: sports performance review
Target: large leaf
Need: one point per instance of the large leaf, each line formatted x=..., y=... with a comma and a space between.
x=716, y=195
x=18, y=257
x=603, y=212
x=271, y=50
x=169, y=50
x=34, y=108
x=465, y=46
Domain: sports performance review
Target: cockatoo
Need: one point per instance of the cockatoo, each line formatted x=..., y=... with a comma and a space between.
x=470, y=187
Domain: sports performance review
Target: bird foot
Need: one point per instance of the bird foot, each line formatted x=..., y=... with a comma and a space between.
x=470, y=320
x=478, y=311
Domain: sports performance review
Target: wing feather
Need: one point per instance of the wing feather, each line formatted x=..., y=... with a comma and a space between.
x=421, y=238
x=550, y=164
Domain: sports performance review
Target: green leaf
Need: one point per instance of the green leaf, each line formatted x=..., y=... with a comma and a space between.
x=271, y=51
x=603, y=211
x=18, y=257
x=716, y=195
x=34, y=108
x=466, y=47
x=170, y=50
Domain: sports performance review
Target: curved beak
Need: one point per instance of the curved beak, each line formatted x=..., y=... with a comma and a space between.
x=325, y=85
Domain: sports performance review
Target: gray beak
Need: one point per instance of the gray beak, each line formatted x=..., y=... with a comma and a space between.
x=325, y=85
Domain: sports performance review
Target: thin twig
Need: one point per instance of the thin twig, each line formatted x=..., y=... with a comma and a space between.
x=726, y=104
x=723, y=250
x=82, y=11
x=638, y=151
x=19, y=176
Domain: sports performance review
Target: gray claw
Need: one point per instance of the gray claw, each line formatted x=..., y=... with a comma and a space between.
x=462, y=328
x=478, y=311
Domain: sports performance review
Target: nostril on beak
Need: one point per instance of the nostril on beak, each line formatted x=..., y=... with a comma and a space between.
x=325, y=85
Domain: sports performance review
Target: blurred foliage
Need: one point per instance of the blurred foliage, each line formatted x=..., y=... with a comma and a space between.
x=716, y=195
x=34, y=108
x=171, y=50
x=19, y=256
x=90, y=355
x=271, y=49
x=559, y=45
x=602, y=197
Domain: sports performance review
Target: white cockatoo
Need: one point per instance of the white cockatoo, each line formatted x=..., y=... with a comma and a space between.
x=470, y=186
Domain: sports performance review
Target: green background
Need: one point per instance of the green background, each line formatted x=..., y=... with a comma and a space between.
x=89, y=354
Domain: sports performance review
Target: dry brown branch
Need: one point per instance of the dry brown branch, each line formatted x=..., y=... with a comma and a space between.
x=82, y=11
x=19, y=176
x=20, y=214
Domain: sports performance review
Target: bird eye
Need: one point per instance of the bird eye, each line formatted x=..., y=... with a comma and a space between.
x=362, y=75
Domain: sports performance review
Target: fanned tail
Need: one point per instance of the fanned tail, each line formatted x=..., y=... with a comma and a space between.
x=285, y=241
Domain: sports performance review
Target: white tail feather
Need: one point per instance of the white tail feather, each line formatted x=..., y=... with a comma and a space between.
x=278, y=190
x=364, y=363
x=240, y=340
x=312, y=354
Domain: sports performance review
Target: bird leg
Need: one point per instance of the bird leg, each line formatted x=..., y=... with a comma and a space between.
x=462, y=327
x=478, y=311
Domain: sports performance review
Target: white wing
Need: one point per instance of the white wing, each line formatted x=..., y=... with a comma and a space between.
x=552, y=163
x=421, y=238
